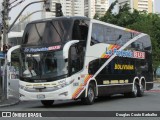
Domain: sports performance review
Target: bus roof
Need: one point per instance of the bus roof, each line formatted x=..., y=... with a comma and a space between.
x=115, y=26
x=85, y=18
x=63, y=17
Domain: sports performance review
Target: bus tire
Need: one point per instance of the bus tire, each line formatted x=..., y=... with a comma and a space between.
x=89, y=100
x=140, y=91
x=47, y=103
x=134, y=93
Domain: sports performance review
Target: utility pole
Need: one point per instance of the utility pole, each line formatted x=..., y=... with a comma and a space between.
x=5, y=20
x=5, y=24
x=6, y=30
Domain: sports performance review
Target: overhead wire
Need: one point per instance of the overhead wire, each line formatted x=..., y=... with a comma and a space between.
x=18, y=3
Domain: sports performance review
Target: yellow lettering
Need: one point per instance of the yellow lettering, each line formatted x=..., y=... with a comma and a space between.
x=123, y=67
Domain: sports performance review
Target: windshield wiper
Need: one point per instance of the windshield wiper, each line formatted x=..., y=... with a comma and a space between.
x=38, y=32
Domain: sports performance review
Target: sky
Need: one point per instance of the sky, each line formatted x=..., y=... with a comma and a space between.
x=157, y=5
x=15, y=11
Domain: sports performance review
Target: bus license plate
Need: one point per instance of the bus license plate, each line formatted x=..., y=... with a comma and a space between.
x=40, y=96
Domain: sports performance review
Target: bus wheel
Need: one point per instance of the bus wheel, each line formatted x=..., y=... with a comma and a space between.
x=134, y=93
x=140, y=91
x=89, y=100
x=47, y=103
x=135, y=90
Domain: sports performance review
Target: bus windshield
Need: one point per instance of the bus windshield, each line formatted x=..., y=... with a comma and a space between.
x=47, y=32
x=44, y=65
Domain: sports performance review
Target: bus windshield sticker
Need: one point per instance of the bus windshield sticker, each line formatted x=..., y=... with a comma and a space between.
x=42, y=49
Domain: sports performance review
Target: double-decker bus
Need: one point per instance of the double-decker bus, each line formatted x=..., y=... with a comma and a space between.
x=80, y=58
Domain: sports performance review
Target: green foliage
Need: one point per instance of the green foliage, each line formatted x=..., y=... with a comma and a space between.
x=96, y=16
x=139, y=21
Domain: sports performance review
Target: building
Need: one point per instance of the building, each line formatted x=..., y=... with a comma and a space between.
x=79, y=8
x=1, y=13
x=140, y=5
x=143, y=5
x=52, y=8
x=69, y=8
x=101, y=6
x=123, y=2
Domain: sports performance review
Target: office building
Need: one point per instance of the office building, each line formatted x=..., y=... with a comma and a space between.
x=86, y=8
x=140, y=5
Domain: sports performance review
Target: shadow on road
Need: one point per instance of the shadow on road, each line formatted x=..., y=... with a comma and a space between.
x=100, y=100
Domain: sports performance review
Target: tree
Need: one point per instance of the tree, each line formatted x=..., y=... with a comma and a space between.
x=96, y=16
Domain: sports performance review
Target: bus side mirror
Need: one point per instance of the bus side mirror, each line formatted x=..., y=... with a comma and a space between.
x=67, y=46
x=10, y=51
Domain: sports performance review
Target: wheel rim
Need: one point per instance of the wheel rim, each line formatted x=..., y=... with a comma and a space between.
x=135, y=89
x=91, y=94
x=142, y=88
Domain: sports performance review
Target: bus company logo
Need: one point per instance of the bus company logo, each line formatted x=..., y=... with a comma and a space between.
x=126, y=53
x=138, y=54
x=54, y=47
x=35, y=49
x=42, y=49
x=26, y=50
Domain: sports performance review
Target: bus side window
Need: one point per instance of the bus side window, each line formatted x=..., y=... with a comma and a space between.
x=137, y=45
x=93, y=66
x=97, y=34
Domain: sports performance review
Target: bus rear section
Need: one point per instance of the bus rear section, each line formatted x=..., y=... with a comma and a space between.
x=120, y=60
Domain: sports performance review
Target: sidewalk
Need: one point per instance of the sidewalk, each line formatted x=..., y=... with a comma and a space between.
x=11, y=101
x=156, y=86
x=157, y=80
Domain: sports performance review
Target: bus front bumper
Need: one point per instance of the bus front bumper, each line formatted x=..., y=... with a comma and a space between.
x=60, y=94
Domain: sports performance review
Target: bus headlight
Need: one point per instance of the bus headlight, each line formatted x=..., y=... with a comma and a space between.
x=63, y=83
x=23, y=87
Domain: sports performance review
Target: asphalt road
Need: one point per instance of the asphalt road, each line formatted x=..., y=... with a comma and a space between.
x=149, y=102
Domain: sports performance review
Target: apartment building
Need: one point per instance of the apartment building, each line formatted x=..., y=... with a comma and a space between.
x=143, y=5
x=101, y=6
x=91, y=10
x=79, y=8
x=140, y=5
x=69, y=8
